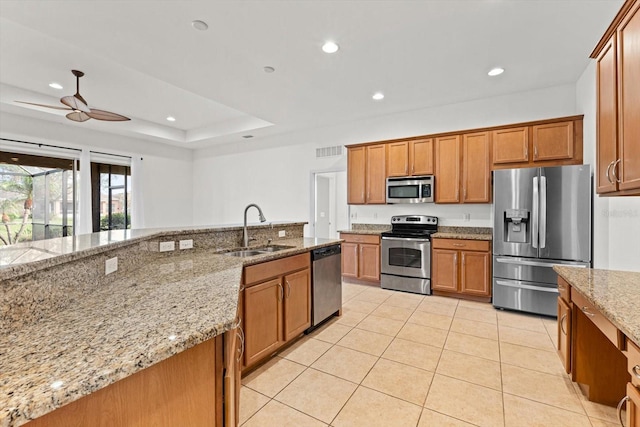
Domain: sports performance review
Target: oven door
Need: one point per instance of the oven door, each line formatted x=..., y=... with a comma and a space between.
x=403, y=256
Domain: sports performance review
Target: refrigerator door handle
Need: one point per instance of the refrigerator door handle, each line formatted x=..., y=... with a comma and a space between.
x=535, y=264
x=543, y=212
x=536, y=200
x=523, y=286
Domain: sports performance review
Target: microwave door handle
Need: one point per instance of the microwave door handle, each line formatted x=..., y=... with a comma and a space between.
x=535, y=201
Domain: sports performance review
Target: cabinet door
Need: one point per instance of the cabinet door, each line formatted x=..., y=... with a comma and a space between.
x=376, y=174
x=297, y=303
x=448, y=169
x=444, y=270
x=564, y=334
x=356, y=170
x=628, y=170
x=262, y=320
x=607, y=118
x=421, y=157
x=510, y=145
x=349, y=259
x=633, y=406
x=474, y=273
x=553, y=141
x=398, y=159
x=476, y=171
x=369, y=265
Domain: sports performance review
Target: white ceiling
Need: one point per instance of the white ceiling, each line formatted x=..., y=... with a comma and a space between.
x=144, y=60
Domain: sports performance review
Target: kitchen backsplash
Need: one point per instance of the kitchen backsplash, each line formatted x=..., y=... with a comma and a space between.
x=479, y=215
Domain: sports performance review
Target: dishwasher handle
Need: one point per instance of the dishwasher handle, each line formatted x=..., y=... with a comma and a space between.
x=327, y=251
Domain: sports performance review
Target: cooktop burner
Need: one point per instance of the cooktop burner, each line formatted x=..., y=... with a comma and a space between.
x=412, y=226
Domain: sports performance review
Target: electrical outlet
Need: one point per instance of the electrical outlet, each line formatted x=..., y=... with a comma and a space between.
x=282, y=233
x=466, y=217
x=375, y=215
x=167, y=246
x=111, y=265
x=186, y=244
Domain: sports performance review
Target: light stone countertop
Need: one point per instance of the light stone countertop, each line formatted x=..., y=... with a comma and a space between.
x=464, y=233
x=152, y=313
x=616, y=294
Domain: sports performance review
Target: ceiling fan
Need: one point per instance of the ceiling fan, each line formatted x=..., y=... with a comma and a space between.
x=80, y=111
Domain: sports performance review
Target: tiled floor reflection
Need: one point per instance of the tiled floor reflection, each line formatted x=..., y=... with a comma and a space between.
x=405, y=360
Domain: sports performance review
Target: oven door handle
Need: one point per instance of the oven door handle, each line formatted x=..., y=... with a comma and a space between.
x=404, y=239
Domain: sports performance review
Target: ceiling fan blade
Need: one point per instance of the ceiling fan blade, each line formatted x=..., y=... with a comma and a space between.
x=74, y=103
x=44, y=105
x=106, y=116
x=78, y=116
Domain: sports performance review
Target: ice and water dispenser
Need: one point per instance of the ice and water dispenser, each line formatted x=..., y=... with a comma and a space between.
x=516, y=224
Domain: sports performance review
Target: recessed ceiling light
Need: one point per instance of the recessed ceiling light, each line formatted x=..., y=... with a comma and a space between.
x=268, y=69
x=199, y=25
x=496, y=71
x=171, y=119
x=55, y=85
x=247, y=136
x=330, y=47
x=15, y=159
x=378, y=96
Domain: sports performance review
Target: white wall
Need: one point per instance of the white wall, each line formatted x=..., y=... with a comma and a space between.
x=616, y=220
x=275, y=172
x=167, y=179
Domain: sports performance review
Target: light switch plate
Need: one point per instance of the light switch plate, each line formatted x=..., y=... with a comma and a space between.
x=167, y=246
x=186, y=244
x=282, y=233
x=111, y=265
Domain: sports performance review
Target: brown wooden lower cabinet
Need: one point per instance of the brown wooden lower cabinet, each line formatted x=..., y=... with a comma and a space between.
x=276, y=305
x=185, y=389
x=361, y=256
x=461, y=268
x=633, y=406
x=564, y=334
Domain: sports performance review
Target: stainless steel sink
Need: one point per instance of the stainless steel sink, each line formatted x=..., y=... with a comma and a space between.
x=243, y=253
x=275, y=248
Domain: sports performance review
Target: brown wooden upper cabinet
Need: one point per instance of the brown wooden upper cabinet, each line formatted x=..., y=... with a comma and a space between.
x=366, y=174
x=550, y=143
x=462, y=169
x=618, y=105
x=410, y=158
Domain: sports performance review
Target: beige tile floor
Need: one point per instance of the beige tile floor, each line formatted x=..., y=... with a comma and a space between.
x=397, y=359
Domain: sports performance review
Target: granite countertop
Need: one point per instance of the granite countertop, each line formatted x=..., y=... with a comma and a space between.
x=373, y=229
x=166, y=306
x=615, y=293
x=464, y=233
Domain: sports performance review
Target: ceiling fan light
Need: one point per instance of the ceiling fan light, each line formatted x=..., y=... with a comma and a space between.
x=495, y=71
x=55, y=85
x=171, y=119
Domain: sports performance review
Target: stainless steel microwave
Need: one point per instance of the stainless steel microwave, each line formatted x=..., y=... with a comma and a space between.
x=414, y=189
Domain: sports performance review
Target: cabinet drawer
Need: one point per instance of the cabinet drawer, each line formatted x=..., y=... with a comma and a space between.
x=267, y=270
x=361, y=238
x=564, y=289
x=633, y=361
x=458, y=244
x=606, y=327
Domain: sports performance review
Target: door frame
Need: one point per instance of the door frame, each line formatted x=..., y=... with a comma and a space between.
x=312, y=199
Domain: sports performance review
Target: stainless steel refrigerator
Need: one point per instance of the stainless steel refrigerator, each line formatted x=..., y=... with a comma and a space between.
x=542, y=217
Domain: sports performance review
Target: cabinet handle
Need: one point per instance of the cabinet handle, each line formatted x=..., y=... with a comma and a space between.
x=561, y=287
x=636, y=371
x=564, y=316
x=464, y=260
x=464, y=194
x=457, y=194
x=535, y=152
x=288, y=289
x=459, y=245
x=526, y=152
x=363, y=199
x=413, y=169
x=609, y=169
x=586, y=311
x=240, y=334
x=619, y=409
x=281, y=296
x=455, y=258
x=613, y=170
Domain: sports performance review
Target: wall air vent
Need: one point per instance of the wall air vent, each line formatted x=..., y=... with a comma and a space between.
x=329, y=151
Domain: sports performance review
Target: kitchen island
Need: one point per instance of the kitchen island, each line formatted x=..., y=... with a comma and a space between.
x=69, y=330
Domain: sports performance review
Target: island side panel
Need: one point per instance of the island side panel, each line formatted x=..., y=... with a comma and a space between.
x=185, y=389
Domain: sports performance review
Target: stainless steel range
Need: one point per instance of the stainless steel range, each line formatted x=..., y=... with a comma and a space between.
x=406, y=254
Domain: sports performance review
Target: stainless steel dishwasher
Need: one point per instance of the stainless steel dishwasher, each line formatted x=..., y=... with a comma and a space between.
x=326, y=283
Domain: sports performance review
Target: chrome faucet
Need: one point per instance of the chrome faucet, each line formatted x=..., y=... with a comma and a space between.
x=245, y=233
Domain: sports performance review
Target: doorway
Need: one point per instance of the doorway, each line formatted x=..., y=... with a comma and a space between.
x=329, y=210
